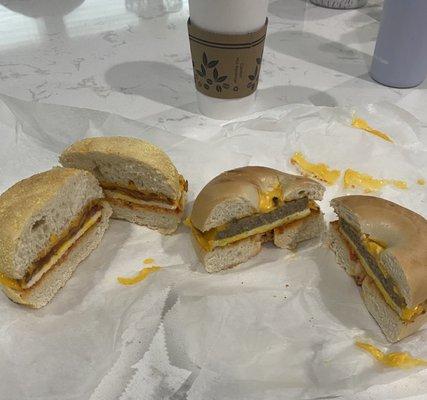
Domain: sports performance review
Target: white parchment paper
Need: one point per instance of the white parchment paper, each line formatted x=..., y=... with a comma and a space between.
x=281, y=326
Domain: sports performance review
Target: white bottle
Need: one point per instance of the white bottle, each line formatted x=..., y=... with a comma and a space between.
x=400, y=58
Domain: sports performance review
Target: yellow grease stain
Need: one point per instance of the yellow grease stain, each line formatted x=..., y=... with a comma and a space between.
x=142, y=274
x=319, y=171
x=148, y=261
x=353, y=179
x=362, y=124
x=394, y=360
x=421, y=182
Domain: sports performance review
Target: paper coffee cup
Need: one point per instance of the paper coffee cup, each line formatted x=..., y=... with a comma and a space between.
x=227, y=40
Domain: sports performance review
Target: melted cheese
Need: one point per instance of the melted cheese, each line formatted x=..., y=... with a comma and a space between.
x=375, y=249
x=395, y=360
x=409, y=314
x=266, y=199
x=142, y=274
x=319, y=171
x=363, y=125
x=148, y=261
x=64, y=248
x=353, y=179
x=207, y=239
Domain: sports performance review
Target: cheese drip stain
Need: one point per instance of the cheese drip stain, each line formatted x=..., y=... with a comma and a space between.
x=319, y=171
x=142, y=274
x=394, y=360
x=148, y=261
x=354, y=179
x=364, y=126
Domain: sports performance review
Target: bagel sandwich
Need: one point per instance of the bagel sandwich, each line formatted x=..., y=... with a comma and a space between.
x=240, y=209
x=139, y=180
x=50, y=223
x=384, y=247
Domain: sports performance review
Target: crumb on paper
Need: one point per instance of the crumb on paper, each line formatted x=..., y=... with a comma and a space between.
x=354, y=179
x=320, y=171
x=364, y=126
x=421, y=182
x=140, y=276
x=394, y=360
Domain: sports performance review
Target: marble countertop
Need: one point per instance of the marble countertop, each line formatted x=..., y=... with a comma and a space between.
x=131, y=57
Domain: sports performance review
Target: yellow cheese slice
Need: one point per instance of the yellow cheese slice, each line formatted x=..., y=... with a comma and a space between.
x=394, y=360
x=375, y=249
x=63, y=249
x=363, y=125
x=319, y=171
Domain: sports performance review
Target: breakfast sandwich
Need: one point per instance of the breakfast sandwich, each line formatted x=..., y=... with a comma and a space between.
x=384, y=247
x=50, y=222
x=240, y=209
x=139, y=180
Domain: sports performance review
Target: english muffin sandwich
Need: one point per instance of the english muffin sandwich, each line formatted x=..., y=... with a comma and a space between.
x=139, y=180
x=50, y=222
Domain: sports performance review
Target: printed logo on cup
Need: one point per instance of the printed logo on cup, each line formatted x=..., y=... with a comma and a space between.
x=226, y=66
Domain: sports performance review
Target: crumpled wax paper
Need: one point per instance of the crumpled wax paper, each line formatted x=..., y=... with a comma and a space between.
x=281, y=326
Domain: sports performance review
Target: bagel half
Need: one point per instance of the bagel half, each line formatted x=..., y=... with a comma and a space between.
x=51, y=222
x=240, y=209
x=139, y=180
x=384, y=244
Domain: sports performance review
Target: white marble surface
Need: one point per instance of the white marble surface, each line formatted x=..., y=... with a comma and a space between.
x=131, y=57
